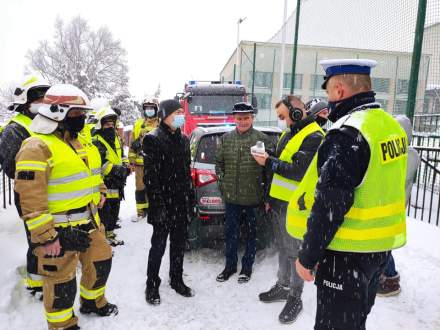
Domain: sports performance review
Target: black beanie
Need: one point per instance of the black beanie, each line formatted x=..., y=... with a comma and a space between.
x=167, y=107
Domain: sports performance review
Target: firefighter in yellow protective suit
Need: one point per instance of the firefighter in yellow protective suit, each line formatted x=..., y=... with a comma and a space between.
x=147, y=123
x=59, y=184
x=28, y=96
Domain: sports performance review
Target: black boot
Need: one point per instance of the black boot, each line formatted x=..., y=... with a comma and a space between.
x=276, y=293
x=291, y=310
x=73, y=327
x=225, y=274
x=245, y=276
x=152, y=292
x=181, y=288
x=89, y=306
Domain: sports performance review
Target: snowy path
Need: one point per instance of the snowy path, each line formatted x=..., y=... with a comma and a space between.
x=216, y=306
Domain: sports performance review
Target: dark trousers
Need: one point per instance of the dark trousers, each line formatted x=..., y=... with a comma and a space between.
x=109, y=213
x=178, y=232
x=233, y=214
x=390, y=268
x=346, y=289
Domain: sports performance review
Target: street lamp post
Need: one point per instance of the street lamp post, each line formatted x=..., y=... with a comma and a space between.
x=237, y=55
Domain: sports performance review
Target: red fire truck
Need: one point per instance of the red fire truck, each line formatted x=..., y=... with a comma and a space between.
x=210, y=103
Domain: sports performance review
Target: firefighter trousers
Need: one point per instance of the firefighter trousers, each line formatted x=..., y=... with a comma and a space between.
x=140, y=194
x=34, y=281
x=109, y=213
x=59, y=282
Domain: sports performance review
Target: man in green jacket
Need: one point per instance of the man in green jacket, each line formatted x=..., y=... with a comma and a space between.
x=242, y=183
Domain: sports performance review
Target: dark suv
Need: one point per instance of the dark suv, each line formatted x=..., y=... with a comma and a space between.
x=209, y=225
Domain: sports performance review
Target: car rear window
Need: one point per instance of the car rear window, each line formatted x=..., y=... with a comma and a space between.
x=207, y=147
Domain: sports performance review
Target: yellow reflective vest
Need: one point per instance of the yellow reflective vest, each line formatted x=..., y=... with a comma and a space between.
x=377, y=220
x=141, y=127
x=281, y=187
x=113, y=158
x=72, y=184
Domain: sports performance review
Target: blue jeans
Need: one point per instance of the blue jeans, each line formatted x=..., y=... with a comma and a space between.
x=233, y=214
x=390, y=267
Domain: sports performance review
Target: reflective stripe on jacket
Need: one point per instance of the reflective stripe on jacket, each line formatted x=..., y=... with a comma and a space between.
x=281, y=187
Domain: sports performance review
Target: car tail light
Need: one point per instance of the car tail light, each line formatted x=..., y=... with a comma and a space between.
x=205, y=217
x=202, y=177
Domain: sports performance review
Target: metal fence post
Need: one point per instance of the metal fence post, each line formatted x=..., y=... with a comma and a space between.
x=415, y=62
x=295, y=47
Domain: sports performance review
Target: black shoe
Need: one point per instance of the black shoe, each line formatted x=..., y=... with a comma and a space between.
x=89, y=306
x=225, y=275
x=117, y=226
x=74, y=327
x=291, y=310
x=276, y=293
x=37, y=292
x=245, y=276
x=181, y=288
x=152, y=292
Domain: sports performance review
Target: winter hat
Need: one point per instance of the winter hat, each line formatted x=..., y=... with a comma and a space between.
x=167, y=107
x=242, y=107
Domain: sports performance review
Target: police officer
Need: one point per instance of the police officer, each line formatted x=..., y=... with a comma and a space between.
x=115, y=170
x=147, y=123
x=59, y=185
x=28, y=96
x=294, y=152
x=344, y=210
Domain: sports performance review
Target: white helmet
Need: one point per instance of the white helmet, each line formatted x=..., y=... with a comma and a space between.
x=57, y=102
x=105, y=112
x=31, y=88
x=98, y=103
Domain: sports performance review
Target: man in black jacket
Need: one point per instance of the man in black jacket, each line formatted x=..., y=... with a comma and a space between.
x=167, y=178
x=28, y=97
x=293, y=155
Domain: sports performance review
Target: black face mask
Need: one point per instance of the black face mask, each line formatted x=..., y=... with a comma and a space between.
x=108, y=134
x=74, y=125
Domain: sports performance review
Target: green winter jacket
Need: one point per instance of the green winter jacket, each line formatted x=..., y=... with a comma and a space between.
x=241, y=179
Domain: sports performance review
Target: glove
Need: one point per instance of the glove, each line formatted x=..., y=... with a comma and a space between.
x=72, y=239
x=136, y=146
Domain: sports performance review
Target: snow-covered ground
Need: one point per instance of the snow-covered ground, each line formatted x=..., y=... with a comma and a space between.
x=216, y=306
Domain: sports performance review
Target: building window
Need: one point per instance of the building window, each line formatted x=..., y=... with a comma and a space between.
x=402, y=86
x=383, y=102
x=262, y=79
x=381, y=85
x=288, y=80
x=399, y=107
x=263, y=101
x=316, y=81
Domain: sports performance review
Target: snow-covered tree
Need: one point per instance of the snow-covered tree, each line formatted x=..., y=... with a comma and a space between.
x=157, y=92
x=128, y=106
x=6, y=98
x=91, y=60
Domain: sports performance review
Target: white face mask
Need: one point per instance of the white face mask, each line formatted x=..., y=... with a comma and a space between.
x=282, y=125
x=33, y=108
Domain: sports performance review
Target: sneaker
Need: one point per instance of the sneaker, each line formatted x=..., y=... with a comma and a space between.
x=291, y=310
x=89, y=306
x=388, y=286
x=225, y=275
x=152, y=292
x=245, y=276
x=275, y=294
x=181, y=288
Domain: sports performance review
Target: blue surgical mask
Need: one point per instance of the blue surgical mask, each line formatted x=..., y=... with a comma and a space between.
x=149, y=113
x=178, y=121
